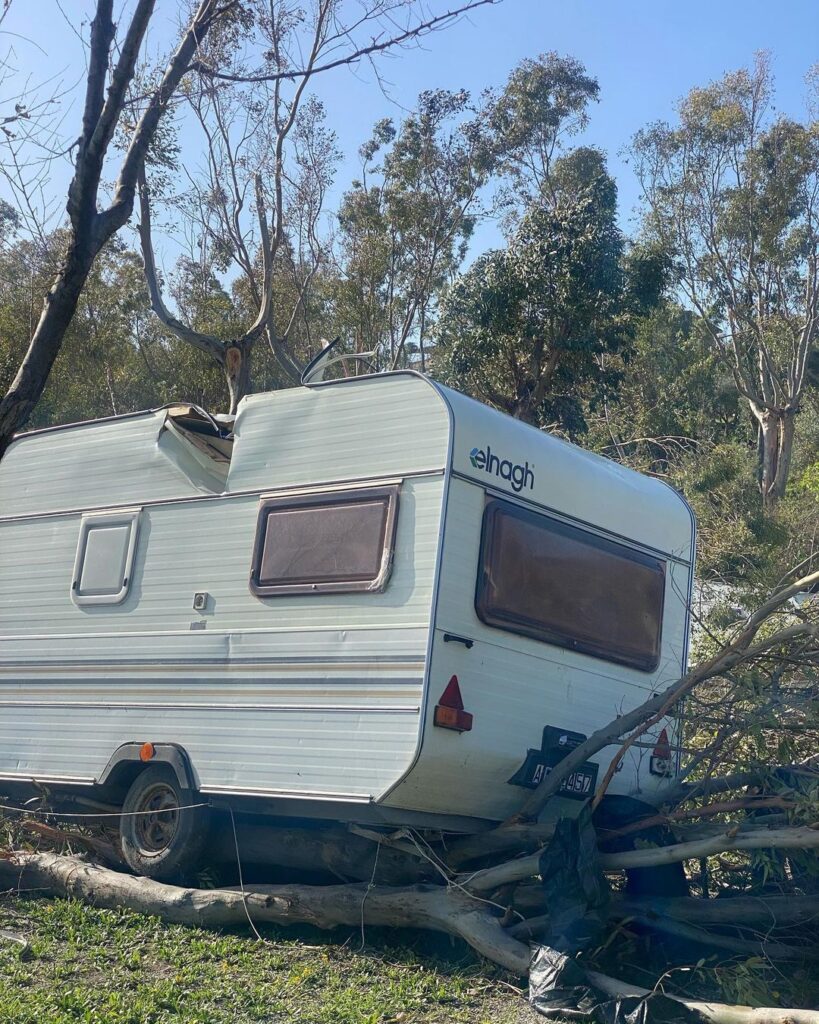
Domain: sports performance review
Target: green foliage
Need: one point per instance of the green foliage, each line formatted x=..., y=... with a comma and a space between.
x=528, y=328
x=544, y=103
x=731, y=195
x=405, y=224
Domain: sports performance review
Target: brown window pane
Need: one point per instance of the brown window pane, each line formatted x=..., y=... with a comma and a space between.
x=333, y=542
x=560, y=584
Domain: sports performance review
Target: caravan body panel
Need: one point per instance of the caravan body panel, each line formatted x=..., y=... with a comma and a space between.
x=317, y=696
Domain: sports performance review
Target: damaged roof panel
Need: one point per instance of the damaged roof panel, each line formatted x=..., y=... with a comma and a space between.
x=174, y=452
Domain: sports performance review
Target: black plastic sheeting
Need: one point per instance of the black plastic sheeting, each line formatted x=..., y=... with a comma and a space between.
x=575, y=891
x=559, y=988
x=576, y=894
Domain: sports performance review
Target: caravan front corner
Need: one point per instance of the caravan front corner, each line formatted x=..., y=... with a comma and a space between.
x=370, y=600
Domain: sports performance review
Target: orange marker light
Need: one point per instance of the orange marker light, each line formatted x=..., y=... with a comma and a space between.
x=146, y=751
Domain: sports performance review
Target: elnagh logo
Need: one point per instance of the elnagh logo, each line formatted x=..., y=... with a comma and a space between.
x=518, y=475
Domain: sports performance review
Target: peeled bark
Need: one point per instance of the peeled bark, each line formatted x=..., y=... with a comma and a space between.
x=423, y=906
x=776, y=428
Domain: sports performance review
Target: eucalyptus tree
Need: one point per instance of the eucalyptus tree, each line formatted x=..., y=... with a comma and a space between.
x=111, y=62
x=542, y=107
x=120, y=119
x=406, y=222
x=732, y=192
x=527, y=327
x=269, y=148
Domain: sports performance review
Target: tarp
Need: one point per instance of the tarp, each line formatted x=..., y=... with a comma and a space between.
x=559, y=989
x=576, y=894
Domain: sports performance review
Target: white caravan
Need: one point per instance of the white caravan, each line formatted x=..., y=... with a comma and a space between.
x=372, y=600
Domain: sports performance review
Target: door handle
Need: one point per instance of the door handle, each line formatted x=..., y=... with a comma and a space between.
x=451, y=638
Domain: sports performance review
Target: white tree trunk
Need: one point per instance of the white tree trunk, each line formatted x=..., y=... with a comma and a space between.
x=324, y=906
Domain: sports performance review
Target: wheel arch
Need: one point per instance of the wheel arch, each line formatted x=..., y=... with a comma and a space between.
x=128, y=761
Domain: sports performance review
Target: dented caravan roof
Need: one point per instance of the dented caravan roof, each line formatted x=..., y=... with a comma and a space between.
x=180, y=451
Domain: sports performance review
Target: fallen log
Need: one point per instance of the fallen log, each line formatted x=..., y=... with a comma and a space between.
x=768, y=948
x=748, y=803
x=714, y=1013
x=761, y=912
x=438, y=908
x=514, y=838
x=334, y=851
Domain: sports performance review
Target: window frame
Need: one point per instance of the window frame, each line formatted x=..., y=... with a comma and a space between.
x=386, y=494
x=528, y=628
x=89, y=521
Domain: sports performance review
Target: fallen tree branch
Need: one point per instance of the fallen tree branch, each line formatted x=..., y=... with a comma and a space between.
x=431, y=907
x=639, y=719
x=767, y=911
x=714, y=1013
x=691, y=933
x=522, y=838
x=804, y=838
x=703, y=788
x=105, y=851
x=748, y=803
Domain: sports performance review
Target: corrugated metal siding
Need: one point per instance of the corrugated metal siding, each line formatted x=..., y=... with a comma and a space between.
x=514, y=686
x=304, y=695
x=109, y=462
x=278, y=434
x=206, y=546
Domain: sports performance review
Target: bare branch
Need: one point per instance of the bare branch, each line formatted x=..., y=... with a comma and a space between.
x=377, y=46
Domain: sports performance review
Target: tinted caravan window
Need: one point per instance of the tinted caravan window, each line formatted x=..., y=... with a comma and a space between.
x=319, y=543
x=545, y=579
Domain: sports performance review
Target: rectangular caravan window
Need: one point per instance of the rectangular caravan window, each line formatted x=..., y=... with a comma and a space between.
x=545, y=579
x=105, y=557
x=336, y=542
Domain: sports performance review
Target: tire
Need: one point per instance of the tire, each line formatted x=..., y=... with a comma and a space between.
x=157, y=838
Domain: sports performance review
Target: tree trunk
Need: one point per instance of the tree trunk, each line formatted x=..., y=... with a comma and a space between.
x=58, y=310
x=775, y=449
x=237, y=371
x=323, y=906
x=335, y=852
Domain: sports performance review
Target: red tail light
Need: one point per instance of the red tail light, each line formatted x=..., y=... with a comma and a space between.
x=661, y=762
x=663, y=748
x=449, y=711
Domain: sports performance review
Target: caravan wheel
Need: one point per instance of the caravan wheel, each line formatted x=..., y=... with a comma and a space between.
x=161, y=835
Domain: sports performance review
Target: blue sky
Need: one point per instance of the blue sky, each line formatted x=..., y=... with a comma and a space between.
x=646, y=54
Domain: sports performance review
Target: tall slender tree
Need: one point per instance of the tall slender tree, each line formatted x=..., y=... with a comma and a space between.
x=90, y=226
x=732, y=191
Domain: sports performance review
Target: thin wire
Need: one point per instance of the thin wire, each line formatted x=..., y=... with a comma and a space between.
x=93, y=814
x=450, y=881
x=253, y=927
x=367, y=891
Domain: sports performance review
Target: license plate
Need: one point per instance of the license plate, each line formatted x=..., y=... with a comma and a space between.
x=579, y=785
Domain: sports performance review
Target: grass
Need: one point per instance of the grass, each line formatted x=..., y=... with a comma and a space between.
x=117, y=967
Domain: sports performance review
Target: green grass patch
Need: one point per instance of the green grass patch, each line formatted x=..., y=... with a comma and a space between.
x=117, y=967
